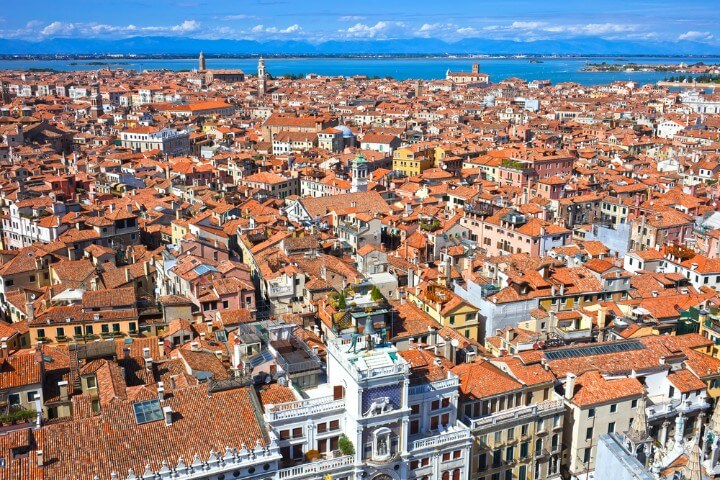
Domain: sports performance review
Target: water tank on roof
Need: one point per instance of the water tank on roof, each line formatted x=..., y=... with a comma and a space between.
x=515, y=218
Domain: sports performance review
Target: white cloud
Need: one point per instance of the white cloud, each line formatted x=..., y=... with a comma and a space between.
x=381, y=29
x=448, y=31
x=56, y=29
x=295, y=28
x=527, y=25
x=352, y=18
x=186, y=27
x=696, y=36
x=540, y=30
x=61, y=29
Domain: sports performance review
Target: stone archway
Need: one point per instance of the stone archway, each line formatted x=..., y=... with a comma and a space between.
x=382, y=476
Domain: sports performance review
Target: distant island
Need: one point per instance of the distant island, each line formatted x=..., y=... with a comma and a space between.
x=697, y=68
x=705, y=78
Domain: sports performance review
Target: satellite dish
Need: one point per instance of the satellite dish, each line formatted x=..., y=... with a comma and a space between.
x=455, y=342
x=32, y=296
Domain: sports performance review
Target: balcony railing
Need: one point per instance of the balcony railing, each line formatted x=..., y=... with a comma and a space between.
x=353, y=228
x=280, y=291
x=572, y=333
x=340, y=349
x=673, y=407
x=317, y=469
x=441, y=439
x=302, y=408
x=434, y=386
x=517, y=413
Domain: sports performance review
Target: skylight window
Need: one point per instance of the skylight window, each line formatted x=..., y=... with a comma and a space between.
x=594, y=350
x=148, y=411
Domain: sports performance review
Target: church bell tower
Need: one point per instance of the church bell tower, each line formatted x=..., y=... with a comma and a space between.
x=262, y=77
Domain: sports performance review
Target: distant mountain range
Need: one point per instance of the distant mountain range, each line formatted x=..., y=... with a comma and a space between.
x=410, y=46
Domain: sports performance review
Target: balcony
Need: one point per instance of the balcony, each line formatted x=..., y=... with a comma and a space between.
x=572, y=334
x=518, y=166
x=319, y=468
x=383, y=362
x=437, y=441
x=353, y=228
x=302, y=408
x=276, y=291
x=479, y=209
x=547, y=407
x=434, y=386
x=672, y=407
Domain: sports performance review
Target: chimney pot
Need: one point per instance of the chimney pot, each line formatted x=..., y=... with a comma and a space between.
x=167, y=410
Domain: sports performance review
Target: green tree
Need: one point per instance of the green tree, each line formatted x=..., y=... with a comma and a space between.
x=346, y=446
x=375, y=294
x=342, y=303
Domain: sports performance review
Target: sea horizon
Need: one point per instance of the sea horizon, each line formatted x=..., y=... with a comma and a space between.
x=555, y=68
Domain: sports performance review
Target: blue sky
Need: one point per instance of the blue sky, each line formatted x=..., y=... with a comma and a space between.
x=316, y=20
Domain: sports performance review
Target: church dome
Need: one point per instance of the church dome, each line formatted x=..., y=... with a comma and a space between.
x=347, y=133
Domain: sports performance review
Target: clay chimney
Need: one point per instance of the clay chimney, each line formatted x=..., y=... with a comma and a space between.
x=63, y=386
x=602, y=317
x=570, y=385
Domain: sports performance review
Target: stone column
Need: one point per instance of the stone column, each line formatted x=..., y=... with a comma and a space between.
x=467, y=468
x=425, y=415
x=310, y=436
x=436, y=465
x=359, y=446
x=404, y=430
x=699, y=422
x=664, y=432
x=454, y=402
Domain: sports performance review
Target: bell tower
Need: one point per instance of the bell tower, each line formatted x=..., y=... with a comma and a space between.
x=637, y=440
x=201, y=62
x=96, y=103
x=262, y=77
x=359, y=173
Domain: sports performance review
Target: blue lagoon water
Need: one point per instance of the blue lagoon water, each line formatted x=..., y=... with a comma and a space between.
x=556, y=70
